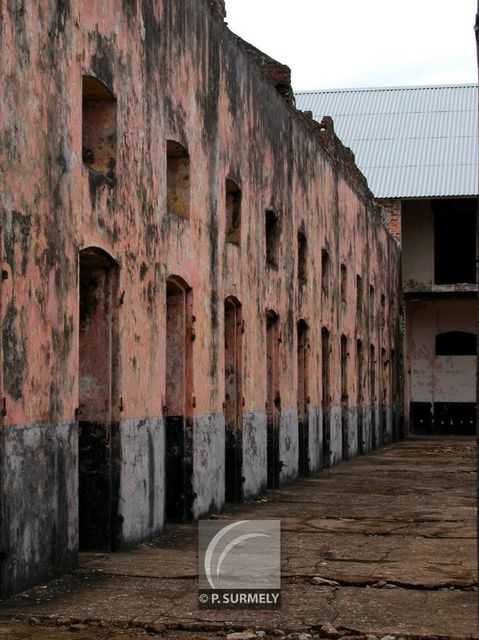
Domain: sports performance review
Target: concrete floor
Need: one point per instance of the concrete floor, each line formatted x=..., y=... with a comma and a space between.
x=395, y=529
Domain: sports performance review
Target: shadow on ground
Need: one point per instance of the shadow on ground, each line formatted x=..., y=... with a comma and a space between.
x=393, y=531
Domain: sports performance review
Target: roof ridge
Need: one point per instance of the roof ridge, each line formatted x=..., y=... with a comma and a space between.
x=465, y=85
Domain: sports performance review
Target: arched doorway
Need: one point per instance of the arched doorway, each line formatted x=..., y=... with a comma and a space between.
x=344, y=398
x=325, y=398
x=178, y=409
x=233, y=405
x=303, y=398
x=273, y=399
x=97, y=404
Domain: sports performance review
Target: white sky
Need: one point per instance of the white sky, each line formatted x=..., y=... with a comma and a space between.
x=362, y=43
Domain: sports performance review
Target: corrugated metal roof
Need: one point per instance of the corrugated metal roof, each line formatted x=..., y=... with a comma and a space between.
x=408, y=141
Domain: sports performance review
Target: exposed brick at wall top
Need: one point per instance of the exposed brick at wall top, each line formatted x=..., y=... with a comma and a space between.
x=392, y=207
x=278, y=75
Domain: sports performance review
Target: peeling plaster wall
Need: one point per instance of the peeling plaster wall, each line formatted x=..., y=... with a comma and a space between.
x=440, y=378
x=442, y=389
x=177, y=74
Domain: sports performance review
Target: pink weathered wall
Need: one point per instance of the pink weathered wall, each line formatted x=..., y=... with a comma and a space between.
x=177, y=73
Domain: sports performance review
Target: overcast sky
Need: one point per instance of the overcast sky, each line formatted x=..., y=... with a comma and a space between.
x=362, y=43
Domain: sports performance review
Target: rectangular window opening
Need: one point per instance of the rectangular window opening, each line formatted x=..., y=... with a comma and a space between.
x=325, y=272
x=99, y=127
x=455, y=241
x=359, y=294
x=177, y=179
x=302, y=257
x=233, y=213
x=344, y=283
x=272, y=238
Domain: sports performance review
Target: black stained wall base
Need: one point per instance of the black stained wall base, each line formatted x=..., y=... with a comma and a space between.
x=179, y=469
x=233, y=465
x=303, y=446
x=273, y=462
x=443, y=418
x=98, y=486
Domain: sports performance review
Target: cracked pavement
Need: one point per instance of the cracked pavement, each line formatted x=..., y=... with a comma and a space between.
x=395, y=529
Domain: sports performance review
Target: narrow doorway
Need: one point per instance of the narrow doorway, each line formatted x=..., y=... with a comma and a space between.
x=3, y=519
x=394, y=397
x=384, y=397
x=233, y=405
x=178, y=409
x=325, y=398
x=273, y=400
x=360, y=394
x=344, y=398
x=98, y=357
x=303, y=399
x=372, y=395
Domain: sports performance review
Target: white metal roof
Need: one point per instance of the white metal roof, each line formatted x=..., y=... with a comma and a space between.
x=408, y=141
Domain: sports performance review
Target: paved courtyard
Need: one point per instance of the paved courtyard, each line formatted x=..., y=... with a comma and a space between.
x=381, y=545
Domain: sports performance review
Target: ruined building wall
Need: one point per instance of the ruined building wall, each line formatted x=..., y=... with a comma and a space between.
x=440, y=289
x=113, y=292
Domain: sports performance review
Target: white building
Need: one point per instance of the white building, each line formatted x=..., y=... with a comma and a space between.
x=417, y=147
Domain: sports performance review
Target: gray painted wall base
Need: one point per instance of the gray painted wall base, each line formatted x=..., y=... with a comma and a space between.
x=39, y=474
x=336, y=447
x=39, y=505
x=254, y=453
x=288, y=445
x=315, y=438
x=142, y=469
x=353, y=432
x=208, y=463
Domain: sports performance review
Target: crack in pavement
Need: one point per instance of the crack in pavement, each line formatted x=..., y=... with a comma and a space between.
x=318, y=529
x=331, y=603
x=406, y=602
x=303, y=577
